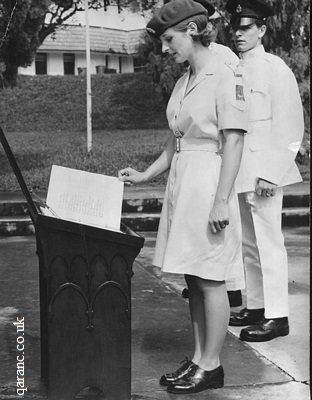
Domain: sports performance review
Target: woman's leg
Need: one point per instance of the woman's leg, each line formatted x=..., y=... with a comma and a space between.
x=215, y=304
x=210, y=313
x=196, y=306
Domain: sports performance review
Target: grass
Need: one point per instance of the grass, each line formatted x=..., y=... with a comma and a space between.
x=35, y=154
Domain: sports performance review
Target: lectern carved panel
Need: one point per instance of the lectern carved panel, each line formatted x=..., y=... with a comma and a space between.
x=88, y=281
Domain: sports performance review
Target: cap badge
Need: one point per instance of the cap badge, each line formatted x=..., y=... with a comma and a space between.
x=151, y=30
x=239, y=9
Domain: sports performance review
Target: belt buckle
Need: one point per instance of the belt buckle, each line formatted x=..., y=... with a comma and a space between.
x=178, y=145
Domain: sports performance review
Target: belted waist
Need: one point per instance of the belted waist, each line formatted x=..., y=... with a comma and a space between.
x=184, y=144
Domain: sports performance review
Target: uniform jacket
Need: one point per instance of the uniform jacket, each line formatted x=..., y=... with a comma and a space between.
x=276, y=125
x=225, y=54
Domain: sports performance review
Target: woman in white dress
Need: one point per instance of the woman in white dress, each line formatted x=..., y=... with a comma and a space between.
x=199, y=231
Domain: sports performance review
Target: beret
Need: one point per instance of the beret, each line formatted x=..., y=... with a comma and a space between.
x=172, y=14
x=209, y=7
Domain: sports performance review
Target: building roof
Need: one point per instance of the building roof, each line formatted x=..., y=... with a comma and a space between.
x=72, y=38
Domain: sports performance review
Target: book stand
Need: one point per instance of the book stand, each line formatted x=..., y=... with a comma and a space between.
x=85, y=302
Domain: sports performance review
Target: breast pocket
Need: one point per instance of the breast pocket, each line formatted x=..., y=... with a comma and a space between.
x=260, y=103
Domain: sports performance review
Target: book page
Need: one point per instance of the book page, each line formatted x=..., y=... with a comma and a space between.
x=85, y=197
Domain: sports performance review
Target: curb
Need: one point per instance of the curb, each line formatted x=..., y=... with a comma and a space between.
x=139, y=222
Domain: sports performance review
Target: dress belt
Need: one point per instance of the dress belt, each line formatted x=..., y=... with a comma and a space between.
x=183, y=144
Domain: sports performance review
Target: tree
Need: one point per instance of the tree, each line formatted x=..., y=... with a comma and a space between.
x=288, y=37
x=24, y=24
x=20, y=22
x=162, y=68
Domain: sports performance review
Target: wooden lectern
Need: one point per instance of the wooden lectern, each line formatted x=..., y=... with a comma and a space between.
x=85, y=302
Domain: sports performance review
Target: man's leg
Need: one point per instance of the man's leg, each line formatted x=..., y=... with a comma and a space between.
x=271, y=256
x=251, y=257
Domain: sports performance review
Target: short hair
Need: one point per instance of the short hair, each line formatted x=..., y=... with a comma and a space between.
x=204, y=35
x=261, y=22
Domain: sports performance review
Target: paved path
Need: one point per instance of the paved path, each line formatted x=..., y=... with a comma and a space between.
x=161, y=333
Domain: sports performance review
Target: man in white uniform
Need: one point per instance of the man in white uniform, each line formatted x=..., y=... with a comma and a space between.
x=274, y=136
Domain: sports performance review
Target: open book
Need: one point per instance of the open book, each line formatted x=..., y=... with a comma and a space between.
x=84, y=197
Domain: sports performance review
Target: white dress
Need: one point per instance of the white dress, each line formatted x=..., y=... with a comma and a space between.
x=185, y=243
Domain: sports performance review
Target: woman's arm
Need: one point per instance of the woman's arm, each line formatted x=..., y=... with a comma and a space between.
x=232, y=154
x=161, y=165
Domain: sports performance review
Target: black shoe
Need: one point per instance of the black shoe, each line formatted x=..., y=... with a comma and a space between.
x=185, y=293
x=167, y=379
x=235, y=298
x=198, y=380
x=246, y=317
x=267, y=330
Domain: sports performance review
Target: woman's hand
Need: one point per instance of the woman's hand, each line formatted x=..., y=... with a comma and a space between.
x=232, y=154
x=131, y=176
x=219, y=217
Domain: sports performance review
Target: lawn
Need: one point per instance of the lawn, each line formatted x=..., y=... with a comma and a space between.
x=35, y=154
x=111, y=150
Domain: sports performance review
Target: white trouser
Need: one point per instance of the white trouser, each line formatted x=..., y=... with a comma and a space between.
x=264, y=253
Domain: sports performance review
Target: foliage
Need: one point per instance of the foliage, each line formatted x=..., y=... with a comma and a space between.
x=20, y=22
x=290, y=27
x=162, y=68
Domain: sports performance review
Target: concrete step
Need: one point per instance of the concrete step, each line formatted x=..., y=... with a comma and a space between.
x=146, y=199
x=148, y=222
x=141, y=208
x=140, y=222
x=296, y=216
x=18, y=206
x=16, y=226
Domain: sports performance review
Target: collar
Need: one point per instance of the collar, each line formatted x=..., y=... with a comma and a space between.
x=253, y=53
x=209, y=69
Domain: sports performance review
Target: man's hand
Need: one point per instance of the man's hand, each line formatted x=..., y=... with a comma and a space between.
x=265, y=188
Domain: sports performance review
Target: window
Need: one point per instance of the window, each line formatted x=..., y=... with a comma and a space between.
x=138, y=64
x=69, y=63
x=41, y=63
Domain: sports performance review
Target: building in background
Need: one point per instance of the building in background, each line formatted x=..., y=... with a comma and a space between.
x=114, y=38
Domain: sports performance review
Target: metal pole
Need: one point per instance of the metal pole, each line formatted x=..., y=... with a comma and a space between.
x=89, y=98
